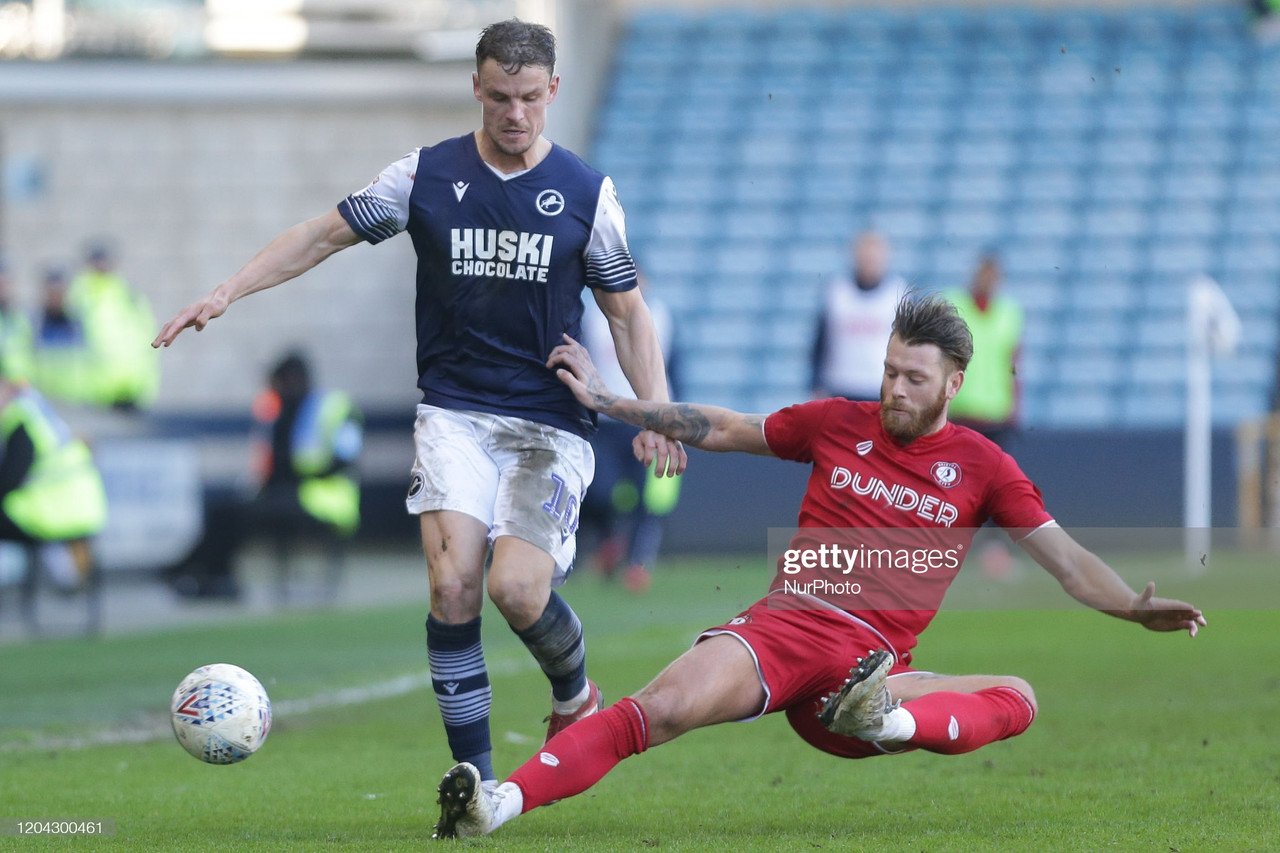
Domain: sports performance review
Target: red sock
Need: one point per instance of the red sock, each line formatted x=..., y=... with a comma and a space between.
x=952, y=723
x=578, y=757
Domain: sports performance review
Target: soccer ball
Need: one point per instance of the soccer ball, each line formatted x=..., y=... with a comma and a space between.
x=220, y=714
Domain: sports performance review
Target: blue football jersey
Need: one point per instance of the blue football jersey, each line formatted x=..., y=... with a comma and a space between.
x=502, y=261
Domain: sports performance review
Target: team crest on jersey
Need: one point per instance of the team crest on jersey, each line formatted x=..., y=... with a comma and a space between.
x=550, y=203
x=863, y=447
x=946, y=474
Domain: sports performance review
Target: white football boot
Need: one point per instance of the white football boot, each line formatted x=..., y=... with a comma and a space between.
x=858, y=709
x=466, y=805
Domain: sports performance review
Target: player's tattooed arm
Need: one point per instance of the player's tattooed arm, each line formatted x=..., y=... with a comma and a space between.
x=707, y=427
x=680, y=421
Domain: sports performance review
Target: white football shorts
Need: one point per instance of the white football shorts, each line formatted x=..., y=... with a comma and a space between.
x=518, y=477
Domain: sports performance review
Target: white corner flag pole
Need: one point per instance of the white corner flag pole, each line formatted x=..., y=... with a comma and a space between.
x=1213, y=329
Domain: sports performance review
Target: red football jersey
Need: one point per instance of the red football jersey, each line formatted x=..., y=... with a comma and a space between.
x=896, y=521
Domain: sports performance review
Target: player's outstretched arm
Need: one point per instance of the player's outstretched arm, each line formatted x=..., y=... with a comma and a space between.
x=640, y=357
x=1089, y=580
x=707, y=427
x=289, y=255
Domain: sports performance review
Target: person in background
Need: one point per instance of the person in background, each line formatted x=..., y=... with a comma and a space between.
x=16, y=337
x=51, y=493
x=988, y=401
x=627, y=503
x=847, y=358
x=60, y=358
x=307, y=443
x=117, y=324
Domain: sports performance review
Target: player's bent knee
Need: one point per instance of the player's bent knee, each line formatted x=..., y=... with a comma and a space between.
x=455, y=599
x=666, y=711
x=520, y=599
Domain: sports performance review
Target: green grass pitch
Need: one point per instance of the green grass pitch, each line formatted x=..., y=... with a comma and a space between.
x=1144, y=741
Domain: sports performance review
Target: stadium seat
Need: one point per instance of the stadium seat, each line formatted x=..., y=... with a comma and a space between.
x=1081, y=407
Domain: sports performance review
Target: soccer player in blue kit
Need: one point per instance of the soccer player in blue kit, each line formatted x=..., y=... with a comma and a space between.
x=508, y=228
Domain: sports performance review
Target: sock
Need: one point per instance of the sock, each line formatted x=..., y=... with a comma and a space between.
x=573, y=703
x=578, y=757
x=952, y=723
x=555, y=641
x=461, y=683
x=508, y=802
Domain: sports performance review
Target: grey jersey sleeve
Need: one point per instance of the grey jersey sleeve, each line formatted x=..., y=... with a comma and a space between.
x=609, y=263
x=381, y=210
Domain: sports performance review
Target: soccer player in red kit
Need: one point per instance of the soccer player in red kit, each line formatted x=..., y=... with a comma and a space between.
x=839, y=666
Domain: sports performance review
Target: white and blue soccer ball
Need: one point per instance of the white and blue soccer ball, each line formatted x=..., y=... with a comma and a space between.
x=220, y=714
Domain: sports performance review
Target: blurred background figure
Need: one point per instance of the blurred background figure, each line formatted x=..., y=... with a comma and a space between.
x=1266, y=20
x=60, y=357
x=15, y=330
x=51, y=494
x=988, y=399
x=306, y=445
x=847, y=359
x=624, y=508
x=117, y=324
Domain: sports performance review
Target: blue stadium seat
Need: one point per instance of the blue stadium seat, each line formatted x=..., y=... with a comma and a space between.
x=1081, y=406
x=908, y=223
x=973, y=225
x=1233, y=405
x=1045, y=222
x=1246, y=255
x=1055, y=148
x=978, y=186
x=1114, y=261
x=1060, y=185
x=1150, y=409
x=1127, y=221
x=1112, y=185
x=1130, y=151
x=904, y=186
x=1194, y=184
x=1103, y=292
x=1099, y=369
x=1093, y=330
x=1040, y=259
x=1179, y=258
x=1036, y=296
x=983, y=152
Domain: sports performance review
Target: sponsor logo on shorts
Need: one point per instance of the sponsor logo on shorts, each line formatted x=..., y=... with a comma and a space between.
x=416, y=484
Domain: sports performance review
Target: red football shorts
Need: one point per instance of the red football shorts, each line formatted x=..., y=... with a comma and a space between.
x=802, y=656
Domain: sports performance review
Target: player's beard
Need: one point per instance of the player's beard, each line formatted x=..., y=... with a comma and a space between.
x=908, y=430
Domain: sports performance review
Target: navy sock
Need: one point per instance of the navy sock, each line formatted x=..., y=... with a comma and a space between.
x=555, y=641
x=461, y=683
